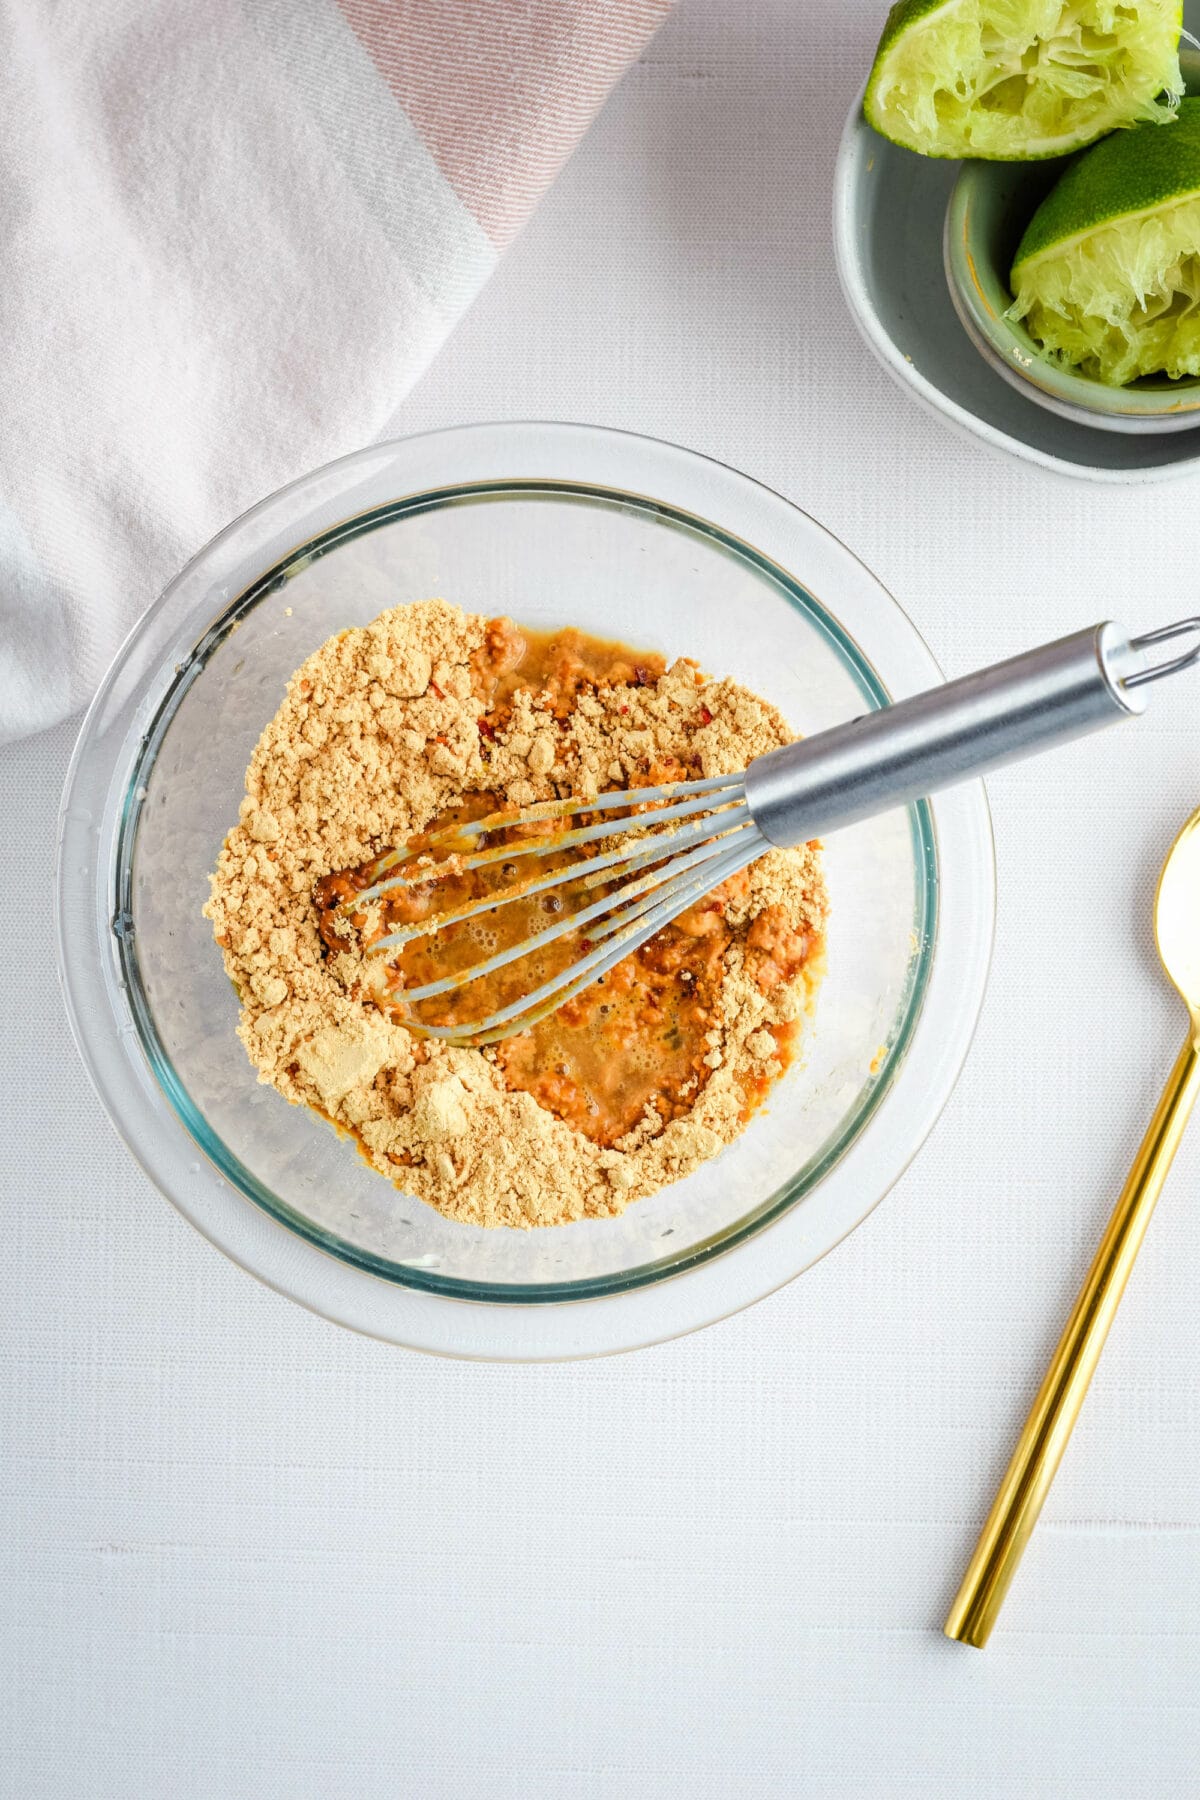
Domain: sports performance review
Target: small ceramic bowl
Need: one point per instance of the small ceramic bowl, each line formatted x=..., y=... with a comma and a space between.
x=990, y=206
x=889, y=212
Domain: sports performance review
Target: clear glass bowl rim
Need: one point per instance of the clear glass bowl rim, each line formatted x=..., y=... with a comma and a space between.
x=113, y=877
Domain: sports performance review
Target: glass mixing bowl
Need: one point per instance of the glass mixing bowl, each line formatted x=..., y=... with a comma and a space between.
x=555, y=525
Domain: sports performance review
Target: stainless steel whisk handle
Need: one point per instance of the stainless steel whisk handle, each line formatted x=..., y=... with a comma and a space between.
x=964, y=729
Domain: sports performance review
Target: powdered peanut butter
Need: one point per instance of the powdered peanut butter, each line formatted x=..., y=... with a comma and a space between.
x=379, y=732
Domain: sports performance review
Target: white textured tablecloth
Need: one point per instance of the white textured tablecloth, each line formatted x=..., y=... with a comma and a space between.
x=247, y=1554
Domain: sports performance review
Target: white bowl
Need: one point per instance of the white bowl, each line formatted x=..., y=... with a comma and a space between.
x=889, y=212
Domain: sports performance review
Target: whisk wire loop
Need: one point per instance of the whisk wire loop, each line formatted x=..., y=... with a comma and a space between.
x=631, y=899
x=664, y=907
x=606, y=867
x=699, y=797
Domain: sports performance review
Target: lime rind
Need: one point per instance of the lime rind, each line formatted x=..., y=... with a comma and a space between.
x=1107, y=274
x=1122, y=301
x=1130, y=172
x=1020, y=80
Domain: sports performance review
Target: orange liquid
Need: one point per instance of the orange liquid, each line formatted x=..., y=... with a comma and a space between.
x=636, y=1038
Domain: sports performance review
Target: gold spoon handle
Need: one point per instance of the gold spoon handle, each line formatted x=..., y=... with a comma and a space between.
x=1044, y=1437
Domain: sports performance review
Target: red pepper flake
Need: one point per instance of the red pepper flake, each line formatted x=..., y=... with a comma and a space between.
x=435, y=689
x=486, y=729
x=624, y=709
x=705, y=716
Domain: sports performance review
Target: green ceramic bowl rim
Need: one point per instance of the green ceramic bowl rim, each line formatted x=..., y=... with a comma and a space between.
x=925, y=919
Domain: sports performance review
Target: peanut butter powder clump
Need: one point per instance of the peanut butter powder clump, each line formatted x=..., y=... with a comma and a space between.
x=382, y=729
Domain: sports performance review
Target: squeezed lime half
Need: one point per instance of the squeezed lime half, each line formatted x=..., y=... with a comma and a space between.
x=1107, y=275
x=1018, y=80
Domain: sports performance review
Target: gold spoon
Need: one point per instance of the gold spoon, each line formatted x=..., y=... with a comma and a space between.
x=1044, y=1438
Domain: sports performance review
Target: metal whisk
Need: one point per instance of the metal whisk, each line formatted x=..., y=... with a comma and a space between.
x=688, y=837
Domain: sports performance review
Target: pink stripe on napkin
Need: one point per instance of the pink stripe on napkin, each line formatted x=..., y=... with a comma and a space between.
x=501, y=91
